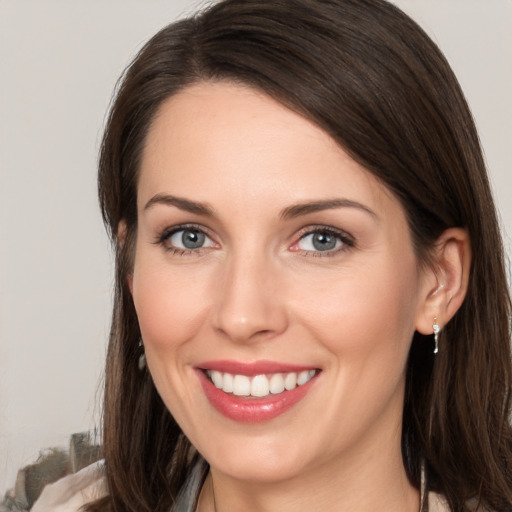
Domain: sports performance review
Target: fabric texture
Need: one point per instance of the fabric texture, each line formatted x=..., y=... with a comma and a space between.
x=70, y=493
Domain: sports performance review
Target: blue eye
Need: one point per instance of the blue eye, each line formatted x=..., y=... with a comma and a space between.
x=323, y=241
x=186, y=239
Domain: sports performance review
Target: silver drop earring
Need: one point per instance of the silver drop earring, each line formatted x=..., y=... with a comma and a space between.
x=142, y=357
x=437, y=329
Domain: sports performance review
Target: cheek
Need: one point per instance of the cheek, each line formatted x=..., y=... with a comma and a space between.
x=170, y=304
x=171, y=309
x=365, y=320
x=365, y=310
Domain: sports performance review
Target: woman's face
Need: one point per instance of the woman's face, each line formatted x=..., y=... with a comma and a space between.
x=265, y=255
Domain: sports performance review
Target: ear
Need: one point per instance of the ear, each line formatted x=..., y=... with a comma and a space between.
x=445, y=280
x=121, y=239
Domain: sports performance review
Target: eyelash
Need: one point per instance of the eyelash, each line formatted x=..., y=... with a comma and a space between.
x=347, y=241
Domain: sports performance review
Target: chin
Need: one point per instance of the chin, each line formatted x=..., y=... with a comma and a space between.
x=260, y=459
x=255, y=470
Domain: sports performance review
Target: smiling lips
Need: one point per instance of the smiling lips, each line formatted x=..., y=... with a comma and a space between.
x=254, y=392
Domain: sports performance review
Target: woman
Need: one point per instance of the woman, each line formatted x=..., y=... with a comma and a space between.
x=311, y=308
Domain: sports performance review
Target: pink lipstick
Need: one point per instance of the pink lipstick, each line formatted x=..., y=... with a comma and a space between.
x=256, y=391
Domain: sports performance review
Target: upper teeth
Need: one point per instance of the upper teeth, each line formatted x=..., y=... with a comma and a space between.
x=259, y=385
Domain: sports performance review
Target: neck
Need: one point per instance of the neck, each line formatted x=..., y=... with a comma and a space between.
x=375, y=482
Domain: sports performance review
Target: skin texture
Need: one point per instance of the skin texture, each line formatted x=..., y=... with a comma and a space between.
x=259, y=290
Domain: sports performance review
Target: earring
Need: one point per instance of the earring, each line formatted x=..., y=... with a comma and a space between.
x=142, y=357
x=437, y=329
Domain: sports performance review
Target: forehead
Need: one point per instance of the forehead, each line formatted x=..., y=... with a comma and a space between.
x=227, y=141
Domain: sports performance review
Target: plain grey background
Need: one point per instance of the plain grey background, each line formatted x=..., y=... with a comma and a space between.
x=59, y=61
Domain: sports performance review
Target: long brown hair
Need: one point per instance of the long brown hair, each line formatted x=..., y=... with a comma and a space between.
x=371, y=78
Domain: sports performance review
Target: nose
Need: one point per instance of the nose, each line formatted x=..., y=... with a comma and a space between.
x=250, y=305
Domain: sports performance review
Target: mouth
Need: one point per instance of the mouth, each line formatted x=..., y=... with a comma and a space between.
x=255, y=392
x=259, y=386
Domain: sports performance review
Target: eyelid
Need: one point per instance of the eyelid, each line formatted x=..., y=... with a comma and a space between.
x=170, y=230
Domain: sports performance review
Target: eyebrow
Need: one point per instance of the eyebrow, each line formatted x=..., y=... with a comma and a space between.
x=289, y=212
x=181, y=203
x=316, y=206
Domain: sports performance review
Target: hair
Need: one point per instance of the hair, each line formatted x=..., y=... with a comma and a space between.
x=374, y=81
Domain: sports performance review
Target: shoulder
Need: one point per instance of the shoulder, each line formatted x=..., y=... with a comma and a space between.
x=73, y=491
